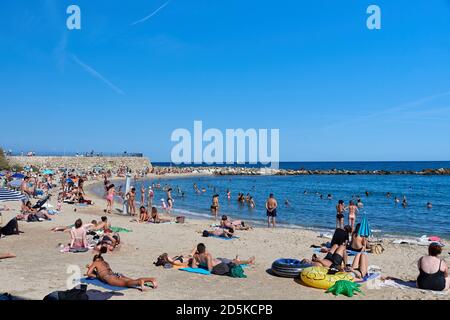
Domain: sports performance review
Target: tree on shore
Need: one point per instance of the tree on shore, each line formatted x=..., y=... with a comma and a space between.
x=3, y=162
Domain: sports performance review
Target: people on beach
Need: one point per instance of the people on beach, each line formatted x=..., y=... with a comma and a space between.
x=340, y=209
x=226, y=222
x=78, y=236
x=352, y=211
x=156, y=218
x=220, y=266
x=100, y=269
x=110, y=193
x=271, y=210
x=143, y=214
x=219, y=232
x=433, y=271
x=358, y=243
x=169, y=200
x=142, y=195
x=150, y=197
x=215, y=205
x=131, y=201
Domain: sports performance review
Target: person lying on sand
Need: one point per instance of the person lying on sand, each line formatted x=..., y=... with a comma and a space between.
x=108, y=242
x=203, y=259
x=336, y=258
x=235, y=225
x=177, y=261
x=101, y=270
x=219, y=232
x=88, y=227
x=6, y=255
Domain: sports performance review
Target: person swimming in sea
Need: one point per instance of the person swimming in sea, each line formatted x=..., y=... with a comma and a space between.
x=429, y=205
x=404, y=202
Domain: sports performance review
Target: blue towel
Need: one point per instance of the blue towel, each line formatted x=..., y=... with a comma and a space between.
x=196, y=270
x=203, y=271
x=371, y=276
x=349, y=252
x=223, y=238
x=98, y=283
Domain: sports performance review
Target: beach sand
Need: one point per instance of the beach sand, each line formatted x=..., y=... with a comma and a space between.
x=40, y=268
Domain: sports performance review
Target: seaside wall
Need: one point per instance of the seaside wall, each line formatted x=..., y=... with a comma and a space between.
x=81, y=163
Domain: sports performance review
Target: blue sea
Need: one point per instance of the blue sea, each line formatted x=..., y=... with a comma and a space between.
x=306, y=209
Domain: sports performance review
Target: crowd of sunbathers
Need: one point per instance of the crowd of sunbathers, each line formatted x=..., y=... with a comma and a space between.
x=98, y=236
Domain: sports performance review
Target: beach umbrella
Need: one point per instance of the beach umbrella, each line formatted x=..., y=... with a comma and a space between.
x=18, y=176
x=47, y=171
x=364, y=230
x=10, y=195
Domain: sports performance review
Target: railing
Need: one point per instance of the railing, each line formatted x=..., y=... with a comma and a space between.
x=76, y=154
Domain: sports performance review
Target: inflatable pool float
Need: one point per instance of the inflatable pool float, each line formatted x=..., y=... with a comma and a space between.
x=288, y=268
x=318, y=277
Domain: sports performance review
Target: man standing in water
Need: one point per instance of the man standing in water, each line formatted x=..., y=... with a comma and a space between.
x=271, y=206
x=215, y=205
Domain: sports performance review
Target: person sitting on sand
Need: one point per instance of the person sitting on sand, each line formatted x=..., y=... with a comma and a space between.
x=143, y=214
x=358, y=243
x=78, y=236
x=101, y=270
x=155, y=217
x=219, y=232
x=433, y=270
x=235, y=225
x=104, y=225
x=360, y=267
x=204, y=260
x=6, y=256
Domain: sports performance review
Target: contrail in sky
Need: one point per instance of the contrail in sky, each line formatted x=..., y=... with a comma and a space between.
x=96, y=74
x=151, y=14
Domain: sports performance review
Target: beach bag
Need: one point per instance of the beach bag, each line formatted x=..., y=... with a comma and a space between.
x=221, y=269
x=236, y=271
x=376, y=249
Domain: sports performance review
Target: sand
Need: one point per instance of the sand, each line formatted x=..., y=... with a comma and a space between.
x=41, y=268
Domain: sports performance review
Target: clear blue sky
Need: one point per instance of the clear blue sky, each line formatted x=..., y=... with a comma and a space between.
x=336, y=90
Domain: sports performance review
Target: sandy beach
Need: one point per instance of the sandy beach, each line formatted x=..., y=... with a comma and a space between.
x=41, y=268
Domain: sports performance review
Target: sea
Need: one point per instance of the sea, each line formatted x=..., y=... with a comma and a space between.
x=301, y=205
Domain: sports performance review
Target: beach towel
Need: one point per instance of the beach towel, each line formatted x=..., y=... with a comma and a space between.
x=371, y=276
x=351, y=253
x=223, y=238
x=203, y=271
x=101, y=284
x=406, y=285
x=120, y=229
x=196, y=270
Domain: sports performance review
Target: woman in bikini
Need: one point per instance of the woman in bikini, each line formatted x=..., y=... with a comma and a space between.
x=101, y=270
x=110, y=193
x=352, y=211
x=215, y=205
x=155, y=218
x=78, y=236
x=358, y=243
x=169, y=200
x=131, y=198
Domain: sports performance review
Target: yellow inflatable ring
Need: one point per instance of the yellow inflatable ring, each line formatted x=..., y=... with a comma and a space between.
x=318, y=277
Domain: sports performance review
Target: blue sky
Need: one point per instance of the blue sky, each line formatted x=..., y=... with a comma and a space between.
x=336, y=90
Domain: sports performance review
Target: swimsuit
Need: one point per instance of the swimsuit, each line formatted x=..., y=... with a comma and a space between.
x=272, y=213
x=431, y=281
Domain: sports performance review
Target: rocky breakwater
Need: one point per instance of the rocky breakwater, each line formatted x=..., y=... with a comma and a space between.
x=228, y=171
x=82, y=163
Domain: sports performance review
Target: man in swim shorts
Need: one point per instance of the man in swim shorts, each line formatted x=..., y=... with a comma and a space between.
x=271, y=207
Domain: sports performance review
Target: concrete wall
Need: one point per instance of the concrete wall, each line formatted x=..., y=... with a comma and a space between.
x=81, y=163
